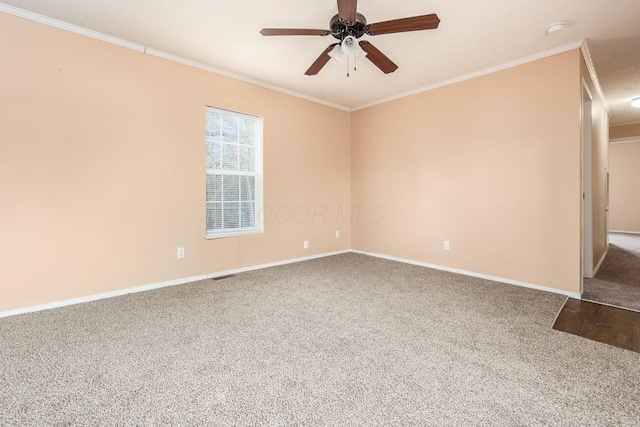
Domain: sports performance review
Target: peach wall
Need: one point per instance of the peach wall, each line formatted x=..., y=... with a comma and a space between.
x=102, y=173
x=625, y=131
x=103, y=178
x=624, y=197
x=599, y=167
x=491, y=164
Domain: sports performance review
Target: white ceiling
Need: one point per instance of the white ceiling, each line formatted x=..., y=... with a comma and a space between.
x=473, y=35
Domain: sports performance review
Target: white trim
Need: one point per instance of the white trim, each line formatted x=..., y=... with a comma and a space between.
x=586, y=55
x=595, y=270
x=558, y=313
x=586, y=123
x=153, y=286
x=610, y=305
x=624, y=232
x=144, y=288
x=585, y=87
x=100, y=296
x=274, y=264
x=11, y=10
x=234, y=233
x=629, y=123
x=624, y=139
x=479, y=73
x=471, y=273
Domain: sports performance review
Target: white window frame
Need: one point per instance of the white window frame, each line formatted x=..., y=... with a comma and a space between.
x=258, y=228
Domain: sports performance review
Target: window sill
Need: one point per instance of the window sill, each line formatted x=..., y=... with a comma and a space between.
x=231, y=233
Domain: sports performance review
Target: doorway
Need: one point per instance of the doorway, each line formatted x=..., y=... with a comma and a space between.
x=587, y=201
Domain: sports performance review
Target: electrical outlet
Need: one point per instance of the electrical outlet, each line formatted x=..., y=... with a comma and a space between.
x=446, y=245
x=337, y=234
x=306, y=244
x=180, y=253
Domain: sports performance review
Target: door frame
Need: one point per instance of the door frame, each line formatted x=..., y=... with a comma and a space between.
x=587, y=183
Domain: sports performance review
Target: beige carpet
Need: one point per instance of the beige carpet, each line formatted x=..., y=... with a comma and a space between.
x=344, y=340
x=618, y=280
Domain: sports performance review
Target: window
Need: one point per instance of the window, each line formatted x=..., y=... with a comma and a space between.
x=234, y=173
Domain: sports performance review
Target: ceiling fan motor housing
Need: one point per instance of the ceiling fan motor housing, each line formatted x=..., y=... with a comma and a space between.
x=340, y=29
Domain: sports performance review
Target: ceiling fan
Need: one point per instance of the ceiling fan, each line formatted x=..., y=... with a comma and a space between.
x=348, y=26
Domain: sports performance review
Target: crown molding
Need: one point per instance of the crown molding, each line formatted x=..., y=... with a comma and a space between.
x=629, y=123
x=625, y=139
x=483, y=72
x=11, y=10
x=586, y=54
x=21, y=13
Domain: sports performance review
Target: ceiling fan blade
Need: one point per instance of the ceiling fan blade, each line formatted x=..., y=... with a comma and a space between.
x=378, y=58
x=293, y=32
x=415, y=23
x=347, y=10
x=320, y=62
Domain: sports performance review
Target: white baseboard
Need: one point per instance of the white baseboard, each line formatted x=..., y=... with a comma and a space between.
x=595, y=270
x=473, y=274
x=274, y=264
x=99, y=296
x=624, y=232
x=153, y=286
x=558, y=313
x=610, y=305
x=175, y=282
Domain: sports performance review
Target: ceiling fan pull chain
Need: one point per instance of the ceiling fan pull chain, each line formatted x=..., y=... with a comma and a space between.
x=347, y=65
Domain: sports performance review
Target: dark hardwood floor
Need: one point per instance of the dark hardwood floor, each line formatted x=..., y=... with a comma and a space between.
x=610, y=325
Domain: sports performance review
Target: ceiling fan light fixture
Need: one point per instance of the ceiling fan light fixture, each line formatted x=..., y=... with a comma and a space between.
x=350, y=46
x=635, y=102
x=336, y=53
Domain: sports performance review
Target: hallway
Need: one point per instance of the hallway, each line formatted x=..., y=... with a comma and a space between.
x=617, y=283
